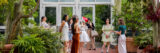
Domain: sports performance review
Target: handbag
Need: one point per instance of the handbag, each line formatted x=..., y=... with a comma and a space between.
x=107, y=36
x=94, y=33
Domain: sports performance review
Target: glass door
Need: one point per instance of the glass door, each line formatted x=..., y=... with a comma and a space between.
x=51, y=14
x=66, y=9
x=88, y=11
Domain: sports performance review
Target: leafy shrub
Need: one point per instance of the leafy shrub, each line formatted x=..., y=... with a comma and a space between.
x=52, y=41
x=143, y=40
x=29, y=44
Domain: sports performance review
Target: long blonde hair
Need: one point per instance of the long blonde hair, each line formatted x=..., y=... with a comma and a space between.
x=121, y=21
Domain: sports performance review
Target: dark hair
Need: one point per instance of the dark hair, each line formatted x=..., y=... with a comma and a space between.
x=42, y=18
x=89, y=19
x=109, y=20
x=74, y=18
x=69, y=21
x=121, y=21
x=64, y=17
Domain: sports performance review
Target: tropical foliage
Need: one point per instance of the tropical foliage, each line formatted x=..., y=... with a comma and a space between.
x=29, y=44
x=3, y=2
x=52, y=41
x=153, y=15
x=133, y=14
x=143, y=40
x=13, y=13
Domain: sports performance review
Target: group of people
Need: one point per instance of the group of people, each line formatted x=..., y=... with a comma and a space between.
x=76, y=33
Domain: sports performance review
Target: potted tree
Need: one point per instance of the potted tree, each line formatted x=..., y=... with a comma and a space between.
x=13, y=12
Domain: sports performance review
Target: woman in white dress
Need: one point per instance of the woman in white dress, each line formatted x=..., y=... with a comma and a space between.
x=107, y=35
x=64, y=29
x=122, y=38
x=84, y=38
x=44, y=24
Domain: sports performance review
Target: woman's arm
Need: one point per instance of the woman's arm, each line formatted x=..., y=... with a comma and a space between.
x=103, y=30
x=62, y=24
x=118, y=32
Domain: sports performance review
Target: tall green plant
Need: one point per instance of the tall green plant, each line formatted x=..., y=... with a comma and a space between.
x=29, y=44
x=13, y=12
x=133, y=14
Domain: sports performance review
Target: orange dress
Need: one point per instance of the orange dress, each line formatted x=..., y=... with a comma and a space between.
x=76, y=41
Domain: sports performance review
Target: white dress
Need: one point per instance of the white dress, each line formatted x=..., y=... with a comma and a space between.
x=84, y=36
x=122, y=44
x=107, y=29
x=45, y=25
x=65, y=32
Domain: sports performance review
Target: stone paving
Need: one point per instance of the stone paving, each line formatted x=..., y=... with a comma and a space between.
x=98, y=49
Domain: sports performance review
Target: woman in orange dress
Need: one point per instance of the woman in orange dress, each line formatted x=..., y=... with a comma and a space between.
x=76, y=35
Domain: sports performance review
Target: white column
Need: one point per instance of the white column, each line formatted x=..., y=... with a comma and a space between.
x=112, y=4
x=94, y=13
x=58, y=12
x=77, y=9
x=41, y=11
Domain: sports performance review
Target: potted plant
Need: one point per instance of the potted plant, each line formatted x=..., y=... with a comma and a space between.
x=142, y=41
x=4, y=48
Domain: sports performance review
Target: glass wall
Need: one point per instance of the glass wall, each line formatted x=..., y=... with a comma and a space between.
x=87, y=0
x=80, y=0
x=51, y=15
x=51, y=0
x=103, y=0
x=66, y=0
x=87, y=12
x=68, y=11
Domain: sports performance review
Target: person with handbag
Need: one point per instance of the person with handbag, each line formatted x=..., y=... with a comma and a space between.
x=91, y=44
x=107, y=35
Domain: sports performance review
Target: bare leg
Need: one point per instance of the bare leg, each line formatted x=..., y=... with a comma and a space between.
x=81, y=46
x=103, y=47
x=89, y=43
x=70, y=44
x=108, y=46
x=65, y=46
x=93, y=43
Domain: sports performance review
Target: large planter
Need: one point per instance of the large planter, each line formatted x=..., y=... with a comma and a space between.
x=149, y=49
x=7, y=48
x=130, y=45
x=139, y=50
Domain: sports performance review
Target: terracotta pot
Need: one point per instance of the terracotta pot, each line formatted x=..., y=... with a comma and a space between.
x=7, y=48
x=130, y=45
x=148, y=49
x=139, y=50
